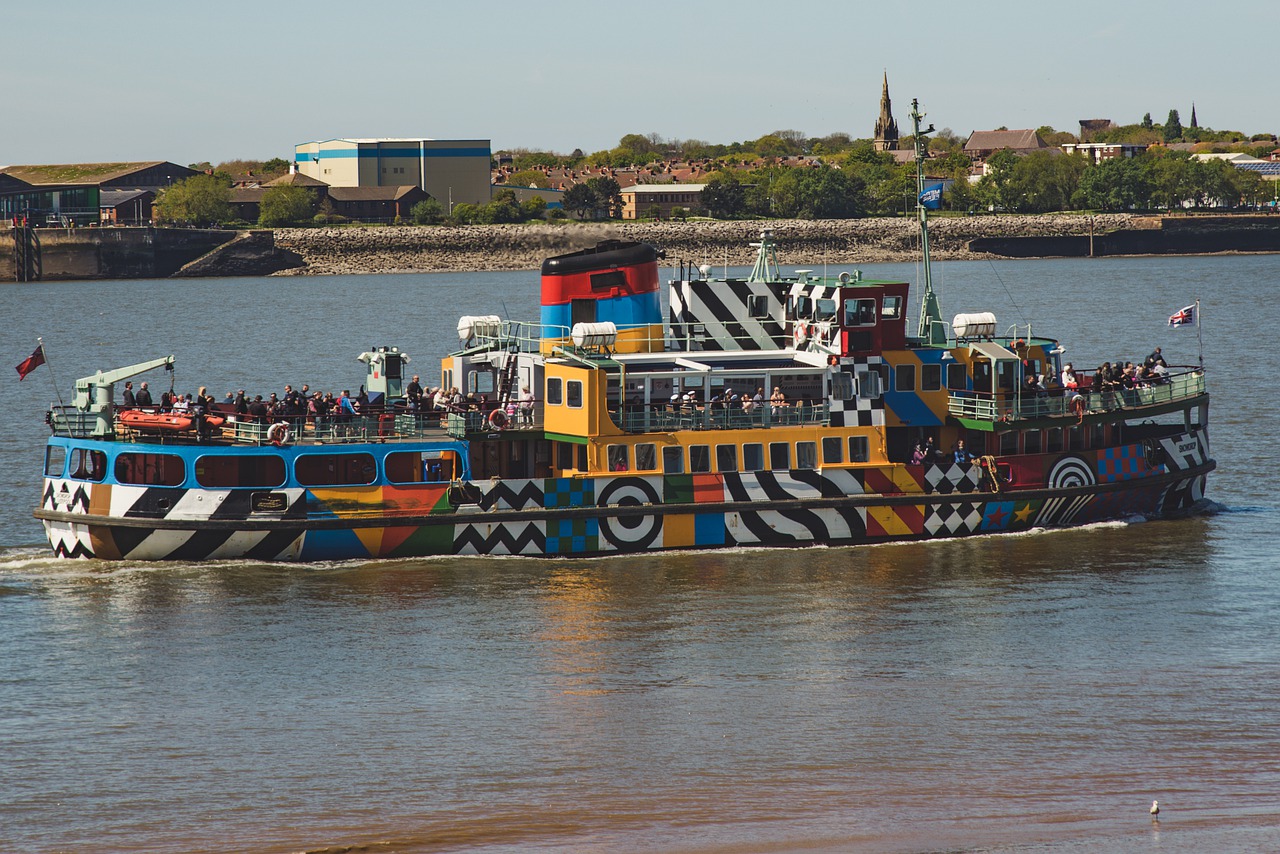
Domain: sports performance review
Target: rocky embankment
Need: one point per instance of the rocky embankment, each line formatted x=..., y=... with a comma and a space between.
x=523, y=247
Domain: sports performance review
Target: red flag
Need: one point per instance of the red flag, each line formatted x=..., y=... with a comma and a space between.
x=30, y=363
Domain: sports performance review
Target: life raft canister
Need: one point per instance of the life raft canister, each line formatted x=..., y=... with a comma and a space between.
x=278, y=434
x=498, y=419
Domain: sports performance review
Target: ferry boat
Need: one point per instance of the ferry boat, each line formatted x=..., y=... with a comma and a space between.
x=769, y=410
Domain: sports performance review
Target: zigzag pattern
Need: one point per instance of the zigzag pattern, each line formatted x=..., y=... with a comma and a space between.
x=502, y=495
x=79, y=499
x=78, y=550
x=468, y=540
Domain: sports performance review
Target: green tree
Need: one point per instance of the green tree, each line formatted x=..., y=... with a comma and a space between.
x=679, y=213
x=286, y=205
x=723, y=196
x=1117, y=184
x=608, y=194
x=464, y=213
x=579, y=199
x=653, y=212
x=427, y=212
x=198, y=200
x=529, y=178
x=1046, y=181
x=1169, y=177
x=1146, y=121
x=533, y=208
x=998, y=189
x=1172, y=127
x=276, y=166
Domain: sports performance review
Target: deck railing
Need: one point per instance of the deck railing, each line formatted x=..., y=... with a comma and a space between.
x=978, y=406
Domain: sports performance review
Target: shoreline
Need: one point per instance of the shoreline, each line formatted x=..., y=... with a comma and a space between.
x=436, y=249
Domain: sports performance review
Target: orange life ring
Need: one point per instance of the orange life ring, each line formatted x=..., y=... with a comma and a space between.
x=498, y=419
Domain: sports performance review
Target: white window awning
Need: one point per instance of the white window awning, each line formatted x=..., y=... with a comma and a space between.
x=991, y=351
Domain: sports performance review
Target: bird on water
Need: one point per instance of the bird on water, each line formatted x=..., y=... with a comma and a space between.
x=1155, y=808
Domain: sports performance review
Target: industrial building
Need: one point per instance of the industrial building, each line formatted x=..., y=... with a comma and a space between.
x=451, y=170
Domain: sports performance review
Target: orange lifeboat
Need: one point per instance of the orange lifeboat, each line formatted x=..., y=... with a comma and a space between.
x=155, y=422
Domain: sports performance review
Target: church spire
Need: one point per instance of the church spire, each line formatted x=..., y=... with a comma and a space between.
x=1194, y=123
x=886, y=127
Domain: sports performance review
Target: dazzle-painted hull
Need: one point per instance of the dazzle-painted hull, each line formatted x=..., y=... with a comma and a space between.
x=624, y=513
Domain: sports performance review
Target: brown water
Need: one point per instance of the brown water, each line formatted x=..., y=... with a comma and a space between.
x=1000, y=693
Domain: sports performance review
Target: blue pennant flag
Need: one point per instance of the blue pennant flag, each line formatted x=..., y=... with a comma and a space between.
x=931, y=198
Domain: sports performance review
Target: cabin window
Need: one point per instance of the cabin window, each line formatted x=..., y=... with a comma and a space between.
x=860, y=312
x=752, y=456
x=574, y=396
x=608, y=281
x=55, y=461
x=699, y=458
x=555, y=391
x=858, y=449
x=335, y=469
x=804, y=307
x=1075, y=439
x=420, y=466
x=240, y=470
x=481, y=382
x=930, y=377
x=673, y=460
x=758, y=306
x=88, y=464
x=646, y=457
x=832, y=450
x=826, y=310
x=1008, y=443
x=806, y=455
x=779, y=456
x=446, y=379
x=1054, y=443
x=891, y=308
x=726, y=457
x=1031, y=442
x=151, y=469
x=619, y=458
x=842, y=386
x=869, y=384
x=904, y=378
x=957, y=377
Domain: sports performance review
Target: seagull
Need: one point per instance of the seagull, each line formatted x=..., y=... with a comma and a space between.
x=1155, y=808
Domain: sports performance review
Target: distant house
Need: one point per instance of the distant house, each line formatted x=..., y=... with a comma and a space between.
x=983, y=143
x=1097, y=152
x=451, y=170
x=365, y=204
x=638, y=200
x=125, y=207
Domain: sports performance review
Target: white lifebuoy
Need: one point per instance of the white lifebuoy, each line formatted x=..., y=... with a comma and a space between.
x=801, y=333
x=278, y=434
x=498, y=419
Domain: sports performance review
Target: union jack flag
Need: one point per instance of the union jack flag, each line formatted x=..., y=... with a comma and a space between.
x=1184, y=317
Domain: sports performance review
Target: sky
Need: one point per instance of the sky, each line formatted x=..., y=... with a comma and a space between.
x=137, y=80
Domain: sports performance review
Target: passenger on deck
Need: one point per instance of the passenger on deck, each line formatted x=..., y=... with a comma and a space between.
x=1069, y=379
x=258, y=410
x=918, y=454
x=413, y=393
x=143, y=397
x=961, y=454
x=777, y=399
x=1156, y=358
x=127, y=399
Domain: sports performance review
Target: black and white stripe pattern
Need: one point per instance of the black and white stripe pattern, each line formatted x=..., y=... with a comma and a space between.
x=723, y=311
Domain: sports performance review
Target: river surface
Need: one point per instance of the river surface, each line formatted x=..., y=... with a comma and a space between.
x=997, y=694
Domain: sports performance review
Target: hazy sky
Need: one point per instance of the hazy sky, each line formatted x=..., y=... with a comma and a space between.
x=145, y=80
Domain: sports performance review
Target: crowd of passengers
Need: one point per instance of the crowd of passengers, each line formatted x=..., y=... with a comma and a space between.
x=305, y=406
x=727, y=399
x=1108, y=379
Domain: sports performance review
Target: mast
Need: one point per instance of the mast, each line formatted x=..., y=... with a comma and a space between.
x=930, y=331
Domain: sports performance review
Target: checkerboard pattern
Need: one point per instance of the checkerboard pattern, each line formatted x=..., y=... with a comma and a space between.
x=952, y=477
x=1120, y=463
x=949, y=520
x=860, y=411
x=573, y=536
x=568, y=492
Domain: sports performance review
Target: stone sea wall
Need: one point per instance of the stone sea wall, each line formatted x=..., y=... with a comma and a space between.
x=523, y=247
